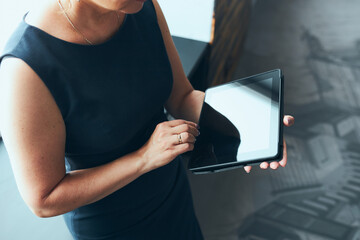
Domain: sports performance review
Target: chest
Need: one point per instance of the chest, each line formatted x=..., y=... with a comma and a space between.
x=114, y=94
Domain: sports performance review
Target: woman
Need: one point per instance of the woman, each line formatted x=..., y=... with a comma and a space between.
x=86, y=81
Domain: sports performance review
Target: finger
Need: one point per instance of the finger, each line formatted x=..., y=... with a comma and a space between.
x=288, y=120
x=284, y=159
x=264, y=165
x=182, y=138
x=181, y=148
x=274, y=165
x=247, y=169
x=185, y=128
x=176, y=122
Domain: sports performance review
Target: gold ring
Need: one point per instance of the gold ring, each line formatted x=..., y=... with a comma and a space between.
x=179, y=138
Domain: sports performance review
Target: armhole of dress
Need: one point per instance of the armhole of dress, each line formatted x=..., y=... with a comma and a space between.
x=154, y=10
x=152, y=5
x=11, y=55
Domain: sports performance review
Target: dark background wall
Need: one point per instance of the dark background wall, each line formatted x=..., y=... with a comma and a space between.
x=316, y=196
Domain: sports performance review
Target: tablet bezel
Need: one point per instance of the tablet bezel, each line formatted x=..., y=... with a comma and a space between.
x=276, y=120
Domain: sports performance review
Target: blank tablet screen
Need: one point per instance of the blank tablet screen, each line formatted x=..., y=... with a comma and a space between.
x=239, y=122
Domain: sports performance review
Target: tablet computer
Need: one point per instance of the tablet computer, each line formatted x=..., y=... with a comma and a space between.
x=240, y=124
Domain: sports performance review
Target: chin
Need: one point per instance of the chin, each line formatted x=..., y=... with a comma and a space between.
x=134, y=8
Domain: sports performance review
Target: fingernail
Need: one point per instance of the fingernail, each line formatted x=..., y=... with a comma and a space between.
x=197, y=126
x=198, y=133
x=273, y=165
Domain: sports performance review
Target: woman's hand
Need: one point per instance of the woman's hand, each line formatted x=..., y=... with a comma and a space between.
x=169, y=139
x=288, y=121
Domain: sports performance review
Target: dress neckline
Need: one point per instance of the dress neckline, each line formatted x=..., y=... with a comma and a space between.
x=108, y=41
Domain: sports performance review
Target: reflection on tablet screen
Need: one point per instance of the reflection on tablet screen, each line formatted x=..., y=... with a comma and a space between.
x=235, y=123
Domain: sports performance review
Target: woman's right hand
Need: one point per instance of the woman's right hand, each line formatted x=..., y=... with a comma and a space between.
x=165, y=144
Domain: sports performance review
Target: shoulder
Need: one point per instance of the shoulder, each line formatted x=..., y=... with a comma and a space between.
x=161, y=18
x=157, y=8
x=15, y=68
x=27, y=41
x=21, y=63
x=19, y=80
x=45, y=17
x=27, y=108
x=24, y=96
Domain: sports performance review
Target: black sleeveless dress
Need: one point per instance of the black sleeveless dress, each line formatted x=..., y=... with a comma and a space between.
x=111, y=98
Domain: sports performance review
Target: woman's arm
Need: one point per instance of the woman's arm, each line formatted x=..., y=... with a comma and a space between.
x=34, y=135
x=190, y=106
x=184, y=102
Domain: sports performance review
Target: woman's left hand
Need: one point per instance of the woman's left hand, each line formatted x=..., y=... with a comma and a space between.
x=288, y=121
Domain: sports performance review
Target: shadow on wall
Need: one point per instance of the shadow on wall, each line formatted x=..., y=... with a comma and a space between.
x=316, y=196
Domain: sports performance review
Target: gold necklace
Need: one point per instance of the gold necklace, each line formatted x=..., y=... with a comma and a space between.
x=73, y=26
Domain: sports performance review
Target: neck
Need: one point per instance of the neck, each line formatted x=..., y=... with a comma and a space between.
x=88, y=13
x=92, y=20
